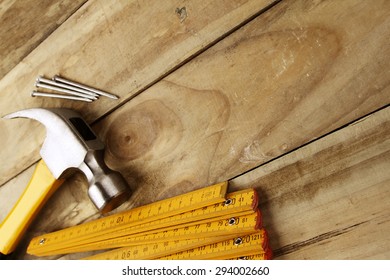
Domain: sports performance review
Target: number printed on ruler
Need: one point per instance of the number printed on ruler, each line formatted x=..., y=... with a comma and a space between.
x=183, y=227
x=134, y=217
x=237, y=202
x=235, y=247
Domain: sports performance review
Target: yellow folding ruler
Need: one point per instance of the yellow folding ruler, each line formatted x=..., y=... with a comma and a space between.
x=206, y=217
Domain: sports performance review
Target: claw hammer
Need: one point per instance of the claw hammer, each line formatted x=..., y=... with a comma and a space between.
x=69, y=144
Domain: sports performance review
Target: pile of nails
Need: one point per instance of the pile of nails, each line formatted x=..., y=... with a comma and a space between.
x=67, y=89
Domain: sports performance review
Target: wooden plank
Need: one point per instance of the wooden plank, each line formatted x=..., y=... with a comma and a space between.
x=25, y=24
x=327, y=200
x=367, y=240
x=331, y=198
x=121, y=47
x=233, y=108
x=236, y=106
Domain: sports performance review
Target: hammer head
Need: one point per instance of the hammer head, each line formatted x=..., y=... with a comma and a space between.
x=71, y=144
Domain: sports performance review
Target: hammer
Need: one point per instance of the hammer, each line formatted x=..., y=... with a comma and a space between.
x=70, y=144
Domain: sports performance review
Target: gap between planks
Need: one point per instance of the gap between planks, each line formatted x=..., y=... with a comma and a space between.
x=330, y=198
x=358, y=120
x=48, y=29
x=143, y=88
x=187, y=60
x=361, y=126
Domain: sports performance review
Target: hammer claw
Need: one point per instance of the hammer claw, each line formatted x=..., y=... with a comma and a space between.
x=70, y=144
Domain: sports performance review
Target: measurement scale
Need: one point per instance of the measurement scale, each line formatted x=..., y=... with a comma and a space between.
x=198, y=249
x=248, y=244
x=153, y=251
x=237, y=202
x=195, y=219
x=234, y=225
x=113, y=223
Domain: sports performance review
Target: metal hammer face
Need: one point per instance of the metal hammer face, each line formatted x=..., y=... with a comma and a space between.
x=71, y=144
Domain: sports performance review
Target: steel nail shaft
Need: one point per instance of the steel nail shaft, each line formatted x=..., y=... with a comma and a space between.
x=59, y=89
x=53, y=95
x=72, y=83
x=41, y=79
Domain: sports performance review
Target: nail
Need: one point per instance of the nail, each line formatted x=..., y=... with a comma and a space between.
x=59, y=89
x=41, y=79
x=63, y=80
x=53, y=95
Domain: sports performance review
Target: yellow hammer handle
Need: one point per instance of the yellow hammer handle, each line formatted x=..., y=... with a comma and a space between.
x=41, y=186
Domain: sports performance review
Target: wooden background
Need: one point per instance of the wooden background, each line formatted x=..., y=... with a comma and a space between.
x=289, y=97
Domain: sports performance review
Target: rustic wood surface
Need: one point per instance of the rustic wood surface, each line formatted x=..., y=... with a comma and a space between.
x=25, y=24
x=121, y=47
x=331, y=198
x=273, y=82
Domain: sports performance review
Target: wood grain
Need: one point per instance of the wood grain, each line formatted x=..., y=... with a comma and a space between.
x=121, y=47
x=326, y=200
x=329, y=199
x=292, y=75
x=25, y=24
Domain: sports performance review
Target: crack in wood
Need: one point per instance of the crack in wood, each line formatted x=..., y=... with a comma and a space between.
x=319, y=238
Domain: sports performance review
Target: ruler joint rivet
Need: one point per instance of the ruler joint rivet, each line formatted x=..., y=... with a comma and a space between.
x=238, y=241
x=227, y=202
x=232, y=221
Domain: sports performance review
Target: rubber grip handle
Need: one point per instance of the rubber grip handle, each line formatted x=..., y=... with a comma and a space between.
x=41, y=186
